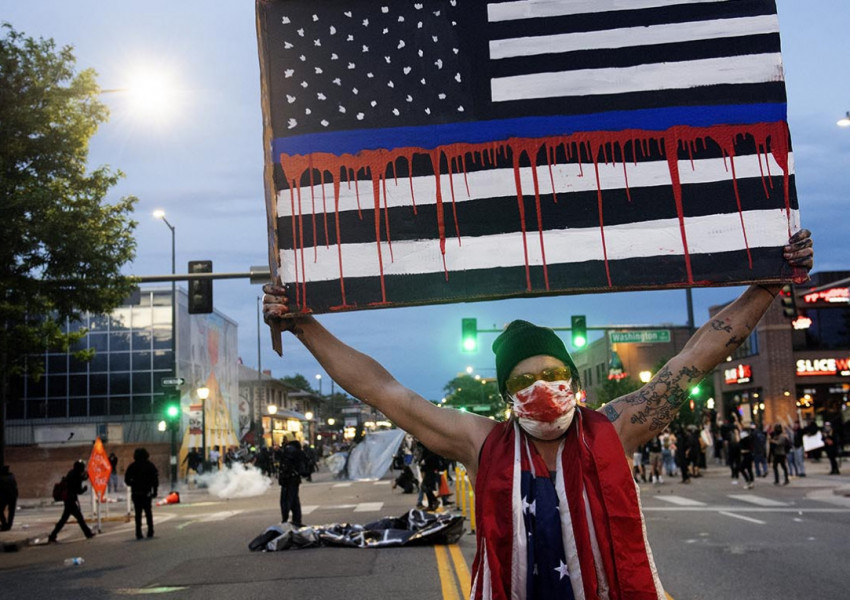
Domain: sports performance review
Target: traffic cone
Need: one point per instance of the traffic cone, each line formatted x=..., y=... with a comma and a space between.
x=172, y=498
x=445, y=492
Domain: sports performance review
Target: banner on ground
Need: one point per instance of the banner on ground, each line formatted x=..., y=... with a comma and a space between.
x=450, y=150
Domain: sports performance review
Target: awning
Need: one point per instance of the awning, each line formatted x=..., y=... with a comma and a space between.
x=285, y=413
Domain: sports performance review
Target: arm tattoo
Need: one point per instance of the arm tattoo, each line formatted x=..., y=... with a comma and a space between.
x=660, y=398
x=718, y=325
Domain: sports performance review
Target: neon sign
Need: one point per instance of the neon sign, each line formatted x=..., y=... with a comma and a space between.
x=823, y=366
x=739, y=374
x=831, y=295
x=801, y=322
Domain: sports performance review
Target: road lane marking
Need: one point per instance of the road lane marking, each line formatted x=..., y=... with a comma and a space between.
x=757, y=500
x=742, y=517
x=306, y=510
x=461, y=569
x=448, y=585
x=369, y=507
x=219, y=516
x=383, y=482
x=150, y=590
x=680, y=501
x=336, y=485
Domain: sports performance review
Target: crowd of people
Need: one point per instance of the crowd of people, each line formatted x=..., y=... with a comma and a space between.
x=749, y=450
x=421, y=471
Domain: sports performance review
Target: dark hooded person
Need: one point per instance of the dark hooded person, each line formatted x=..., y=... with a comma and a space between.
x=74, y=485
x=142, y=477
x=556, y=506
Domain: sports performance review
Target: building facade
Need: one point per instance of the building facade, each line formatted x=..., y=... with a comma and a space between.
x=794, y=367
x=120, y=394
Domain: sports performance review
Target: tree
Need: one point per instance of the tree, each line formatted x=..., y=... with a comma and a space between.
x=297, y=381
x=465, y=392
x=61, y=245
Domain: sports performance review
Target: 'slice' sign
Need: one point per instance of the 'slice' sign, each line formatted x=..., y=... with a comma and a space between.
x=422, y=152
x=823, y=366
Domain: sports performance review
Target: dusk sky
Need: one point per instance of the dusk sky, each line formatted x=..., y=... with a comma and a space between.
x=202, y=163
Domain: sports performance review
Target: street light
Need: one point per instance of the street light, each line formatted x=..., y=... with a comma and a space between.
x=203, y=393
x=319, y=377
x=844, y=121
x=160, y=214
x=331, y=421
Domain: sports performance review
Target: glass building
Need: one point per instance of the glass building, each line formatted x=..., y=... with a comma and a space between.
x=121, y=391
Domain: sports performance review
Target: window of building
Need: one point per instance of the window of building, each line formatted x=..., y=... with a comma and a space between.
x=748, y=348
x=830, y=330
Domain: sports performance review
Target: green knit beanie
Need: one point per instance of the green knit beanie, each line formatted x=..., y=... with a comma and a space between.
x=521, y=340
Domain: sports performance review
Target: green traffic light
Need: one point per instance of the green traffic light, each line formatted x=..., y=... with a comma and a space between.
x=696, y=391
x=469, y=335
x=172, y=410
x=579, y=341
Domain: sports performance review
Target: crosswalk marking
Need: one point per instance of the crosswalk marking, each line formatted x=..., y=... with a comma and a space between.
x=369, y=507
x=757, y=500
x=306, y=510
x=382, y=482
x=347, y=484
x=219, y=516
x=742, y=517
x=680, y=501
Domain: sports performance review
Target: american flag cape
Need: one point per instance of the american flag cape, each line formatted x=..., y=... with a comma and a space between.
x=447, y=150
x=604, y=546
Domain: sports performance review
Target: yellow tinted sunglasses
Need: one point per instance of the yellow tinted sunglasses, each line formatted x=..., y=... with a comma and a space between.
x=523, y=380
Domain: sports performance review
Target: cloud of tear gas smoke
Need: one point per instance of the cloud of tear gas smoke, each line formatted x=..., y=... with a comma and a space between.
x=237, y=481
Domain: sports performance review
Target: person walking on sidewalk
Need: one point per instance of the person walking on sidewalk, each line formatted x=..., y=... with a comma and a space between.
x=746, y=445
x=142, y=478
x=8, y=498
x=797, y=442
x=830, y=441
x=74, y=485
x=779, y=445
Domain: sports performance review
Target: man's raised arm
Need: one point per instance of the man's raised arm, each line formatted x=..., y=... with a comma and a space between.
x=450, y=433
x=643, y=414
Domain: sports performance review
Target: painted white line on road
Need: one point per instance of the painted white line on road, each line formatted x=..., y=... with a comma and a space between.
x=339, y=506
x=306, y=510
x=382, y=482
x=342, y=484
x=742, y=517
x=369, y=507
x=681, y=501
x=757, y=500
x=219, y=516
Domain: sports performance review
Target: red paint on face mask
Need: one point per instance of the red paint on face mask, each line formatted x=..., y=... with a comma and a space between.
x=542, y=403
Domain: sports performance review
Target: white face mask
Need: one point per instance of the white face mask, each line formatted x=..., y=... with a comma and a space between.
x=545, y=409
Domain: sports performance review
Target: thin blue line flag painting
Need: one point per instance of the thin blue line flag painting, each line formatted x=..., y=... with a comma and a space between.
x=455, y=150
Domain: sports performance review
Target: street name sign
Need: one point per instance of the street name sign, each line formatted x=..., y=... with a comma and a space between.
x=173, y=381
x=645, y=336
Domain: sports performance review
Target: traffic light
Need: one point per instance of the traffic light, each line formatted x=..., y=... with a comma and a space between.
x=469, y=335
x=789, y=301
x=578, y=328
x=200, y=290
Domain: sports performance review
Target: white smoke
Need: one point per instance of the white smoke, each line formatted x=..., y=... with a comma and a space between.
x=237, y=481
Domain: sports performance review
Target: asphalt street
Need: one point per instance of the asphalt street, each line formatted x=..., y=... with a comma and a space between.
x=711, y=539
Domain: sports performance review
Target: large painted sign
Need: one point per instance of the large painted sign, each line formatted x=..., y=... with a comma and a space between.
x=448, y=150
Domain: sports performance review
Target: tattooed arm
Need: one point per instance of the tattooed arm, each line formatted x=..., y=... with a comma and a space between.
x=641, y=415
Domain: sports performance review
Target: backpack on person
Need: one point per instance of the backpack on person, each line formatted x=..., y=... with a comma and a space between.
x=60, y=490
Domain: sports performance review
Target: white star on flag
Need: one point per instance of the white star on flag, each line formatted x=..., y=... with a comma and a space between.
x=562, y=570
x=530, y=508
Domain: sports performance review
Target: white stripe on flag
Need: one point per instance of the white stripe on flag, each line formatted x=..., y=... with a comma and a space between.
x=705, y=234
x=752, y=68
x=668, y=33
x=567, y=534
x=495, y=183
x=528, y=9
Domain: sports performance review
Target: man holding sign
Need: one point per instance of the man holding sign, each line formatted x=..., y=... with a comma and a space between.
x=556, y=507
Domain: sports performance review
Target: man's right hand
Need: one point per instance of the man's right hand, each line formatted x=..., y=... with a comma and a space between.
x=276, y=307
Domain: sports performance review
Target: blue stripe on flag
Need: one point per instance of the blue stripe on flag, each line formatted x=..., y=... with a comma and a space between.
x=476, y=132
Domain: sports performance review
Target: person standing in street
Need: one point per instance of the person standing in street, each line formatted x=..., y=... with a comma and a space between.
x=8, y=498
x=779, y=445
x=142, y=477
x=74, y=485
x=746, y=444
x=113, y=476
x=292, y=464
x=830, y=441
x=797, y=449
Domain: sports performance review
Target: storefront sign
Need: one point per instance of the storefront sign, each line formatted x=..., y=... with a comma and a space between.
x=739, y=374
x=823, y=366
x=832, y=295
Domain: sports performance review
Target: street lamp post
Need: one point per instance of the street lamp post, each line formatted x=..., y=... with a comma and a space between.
x=203, y=394
x=160, y=214
x=319, y=377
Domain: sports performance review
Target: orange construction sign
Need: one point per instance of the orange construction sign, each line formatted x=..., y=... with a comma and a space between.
x=99, y=469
